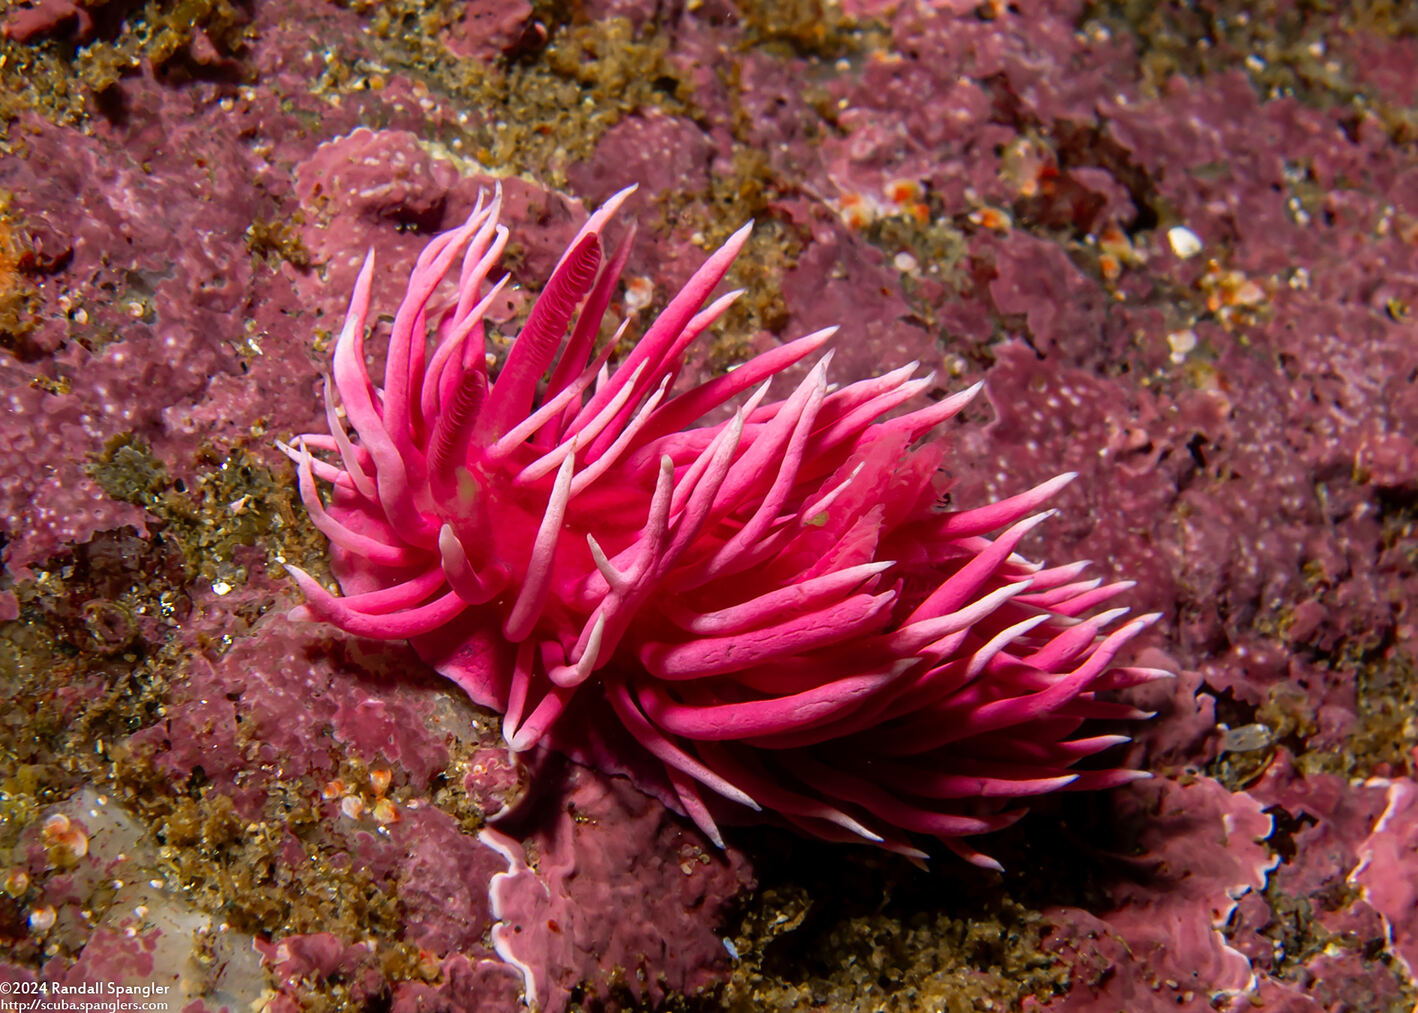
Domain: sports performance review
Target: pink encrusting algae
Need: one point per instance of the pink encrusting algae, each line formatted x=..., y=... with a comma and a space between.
x=775, y=606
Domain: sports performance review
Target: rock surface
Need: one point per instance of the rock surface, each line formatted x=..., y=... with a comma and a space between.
x=1185, y=271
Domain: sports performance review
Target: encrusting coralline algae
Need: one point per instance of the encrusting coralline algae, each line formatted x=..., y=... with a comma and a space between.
x=1177, y=244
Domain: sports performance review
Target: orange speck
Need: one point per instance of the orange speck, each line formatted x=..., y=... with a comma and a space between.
x=857, y=211
x=428, y=964
x=1248, y=293
x=65, y=837
x=1048, y=180
x=638, y=293
x=991, y=218
x=17, y=882
x=902, y=191
x=42, y=919
x=386, y=812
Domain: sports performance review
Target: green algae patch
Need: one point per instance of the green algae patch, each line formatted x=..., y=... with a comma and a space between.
x=235, y=503
x=1281, y=48
x=102, y=641
x=884, y=939
x=534, y=112
x=66, y=77
x=272, y=240
x=939, y=960
x=20, y=263
x=230, y=864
